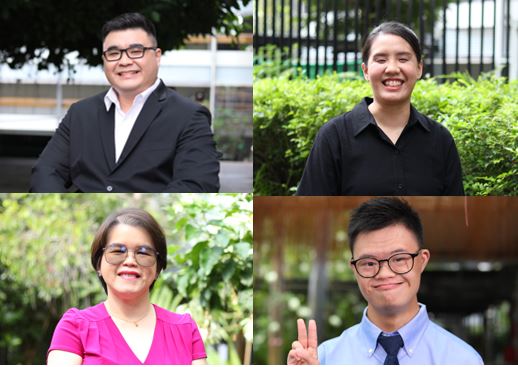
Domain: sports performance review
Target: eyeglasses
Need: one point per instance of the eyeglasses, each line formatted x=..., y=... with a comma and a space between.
x=133, y=52
x=369, y=267
x=116, y=254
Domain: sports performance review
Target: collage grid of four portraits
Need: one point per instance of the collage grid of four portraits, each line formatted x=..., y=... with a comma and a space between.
x=362, y=233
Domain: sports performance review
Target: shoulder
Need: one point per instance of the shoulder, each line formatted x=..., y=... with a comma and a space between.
x=335, y=129
x=173, y=318
x=433, y=126
x=454, y=347
x=348, y=123
x=90, y=314
x=177, y=101
x=328, y=349
x=87, y=103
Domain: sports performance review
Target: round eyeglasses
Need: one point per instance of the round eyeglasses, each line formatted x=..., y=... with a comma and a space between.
x=133, y=52
x=116, y=254
x=369, y=267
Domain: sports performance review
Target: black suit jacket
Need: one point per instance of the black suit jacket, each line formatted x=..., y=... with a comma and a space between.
x=169, y=149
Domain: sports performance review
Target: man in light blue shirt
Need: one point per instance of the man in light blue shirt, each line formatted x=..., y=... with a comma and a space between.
x=386, y=239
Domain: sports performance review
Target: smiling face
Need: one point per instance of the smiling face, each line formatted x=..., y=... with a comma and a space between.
x=389, y=293
x=392, y=69
x=130, y=77
x=128, y=280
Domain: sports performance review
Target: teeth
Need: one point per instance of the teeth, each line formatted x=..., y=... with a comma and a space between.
x=393, y=83
x=132, y=276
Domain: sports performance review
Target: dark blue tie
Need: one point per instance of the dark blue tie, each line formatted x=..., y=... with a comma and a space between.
x=391, y=344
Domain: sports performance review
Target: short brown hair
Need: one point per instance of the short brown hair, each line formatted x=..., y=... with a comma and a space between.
x=136, y=218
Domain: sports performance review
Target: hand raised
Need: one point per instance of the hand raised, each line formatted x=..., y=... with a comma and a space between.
x=304, y=350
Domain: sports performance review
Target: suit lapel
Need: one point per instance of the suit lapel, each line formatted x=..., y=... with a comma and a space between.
x=107, y=131
x=151, y=109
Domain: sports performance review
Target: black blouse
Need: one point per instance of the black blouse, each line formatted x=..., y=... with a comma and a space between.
x=351, y=155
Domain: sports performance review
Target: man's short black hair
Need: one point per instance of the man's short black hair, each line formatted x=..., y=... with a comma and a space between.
x=129, y=21
x=380, y=213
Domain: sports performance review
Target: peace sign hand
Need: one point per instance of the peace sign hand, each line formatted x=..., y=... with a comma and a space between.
x=304, y=350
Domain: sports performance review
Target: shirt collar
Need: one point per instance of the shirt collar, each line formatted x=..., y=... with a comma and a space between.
x=370, y=333
x=414, y=330
x=362, y=117
x=411, y=332
x=112, y=98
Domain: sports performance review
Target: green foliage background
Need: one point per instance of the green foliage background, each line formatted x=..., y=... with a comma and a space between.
x=63, y=26
x=482, y=116
x=45, y=267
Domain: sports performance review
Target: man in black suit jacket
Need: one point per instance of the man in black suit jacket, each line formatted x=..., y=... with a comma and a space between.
x=138, y=137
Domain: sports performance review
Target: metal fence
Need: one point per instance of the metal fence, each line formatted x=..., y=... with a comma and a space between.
x=322, y=35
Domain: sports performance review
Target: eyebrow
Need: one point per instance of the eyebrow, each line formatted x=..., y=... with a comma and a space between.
x=385, y=54
x=399, y=250
x=130, y=247
x=130, y=46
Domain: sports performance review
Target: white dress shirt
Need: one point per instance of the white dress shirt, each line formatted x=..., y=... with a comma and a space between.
x=124, y=121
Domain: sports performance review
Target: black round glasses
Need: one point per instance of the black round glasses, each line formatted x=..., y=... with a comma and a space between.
x=369, y=267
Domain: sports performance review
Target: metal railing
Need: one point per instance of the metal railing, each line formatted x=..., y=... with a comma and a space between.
x=322, y=35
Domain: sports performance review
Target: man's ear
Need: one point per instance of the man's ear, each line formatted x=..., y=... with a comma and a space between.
x=424, y=254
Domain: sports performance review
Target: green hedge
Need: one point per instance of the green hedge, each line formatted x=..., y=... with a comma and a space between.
x=482, y=116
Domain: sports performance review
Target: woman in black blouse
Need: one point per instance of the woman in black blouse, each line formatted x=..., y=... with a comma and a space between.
x=384, y=146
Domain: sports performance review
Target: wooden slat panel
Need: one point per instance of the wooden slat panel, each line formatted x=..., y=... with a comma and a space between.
x=456, y=228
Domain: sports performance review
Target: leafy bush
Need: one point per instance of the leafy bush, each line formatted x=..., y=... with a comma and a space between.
x=482, y=116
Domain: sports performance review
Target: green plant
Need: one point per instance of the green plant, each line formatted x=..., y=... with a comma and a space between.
x=45, y=265
x=482, y=116
x=212, y=262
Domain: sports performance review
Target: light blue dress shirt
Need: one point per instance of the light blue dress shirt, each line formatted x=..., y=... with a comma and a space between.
x=425, y=342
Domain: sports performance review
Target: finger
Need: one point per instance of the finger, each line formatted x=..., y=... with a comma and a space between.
x=302, y=333
x=312, y=335
x=292, y=358
x=305, y=356
x=296, y=345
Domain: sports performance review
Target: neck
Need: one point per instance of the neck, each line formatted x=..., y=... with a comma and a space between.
x=125, y=101
x=128, y=309
x=392, y=320
x=391, y=115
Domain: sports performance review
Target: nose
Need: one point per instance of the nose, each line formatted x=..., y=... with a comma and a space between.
x=130, y=258
x=385, y=270
x=392, y=66
x=125, y=59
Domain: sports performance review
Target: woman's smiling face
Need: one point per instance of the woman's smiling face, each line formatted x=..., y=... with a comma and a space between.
x=128, y=280
x=392, y=69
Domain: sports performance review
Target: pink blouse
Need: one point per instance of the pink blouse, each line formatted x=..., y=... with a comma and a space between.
x=92, y=334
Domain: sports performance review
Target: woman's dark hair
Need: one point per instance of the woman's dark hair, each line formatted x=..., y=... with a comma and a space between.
x=136, y=218
x=380, y=213
x=397, y=29
x=129, y=21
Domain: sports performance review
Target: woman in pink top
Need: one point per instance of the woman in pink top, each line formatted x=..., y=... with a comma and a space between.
x=128, y=252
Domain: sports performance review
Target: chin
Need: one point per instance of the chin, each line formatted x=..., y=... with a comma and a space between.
x=129, y=293
x=393, y=98
x=128, y=86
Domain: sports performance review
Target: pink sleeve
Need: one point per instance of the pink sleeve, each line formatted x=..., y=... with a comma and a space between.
x=198, y=349
x=66, y=335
